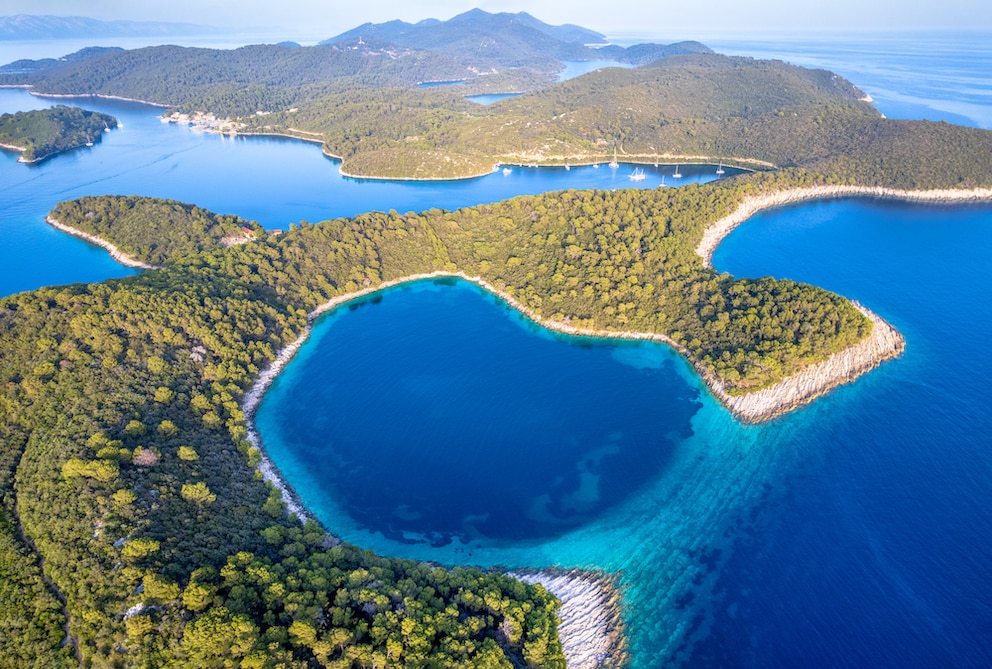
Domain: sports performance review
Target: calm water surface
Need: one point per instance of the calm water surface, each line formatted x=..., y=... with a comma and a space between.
x=854, y=532
x=275, y=181
x=437, y=413
x=936, y=76
x=435, y=424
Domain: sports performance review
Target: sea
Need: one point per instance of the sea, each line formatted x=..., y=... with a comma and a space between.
x=432, y=421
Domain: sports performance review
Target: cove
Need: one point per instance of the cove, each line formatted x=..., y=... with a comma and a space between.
x=273, y=180
x=433, y=411
x=850, y=532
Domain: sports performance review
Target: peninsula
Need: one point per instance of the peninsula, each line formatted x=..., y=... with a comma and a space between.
x=136, y=508
x=41, y=134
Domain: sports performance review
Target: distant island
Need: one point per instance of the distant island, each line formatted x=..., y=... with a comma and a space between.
x=43, y=133
x=358, y=94
x=138, y=514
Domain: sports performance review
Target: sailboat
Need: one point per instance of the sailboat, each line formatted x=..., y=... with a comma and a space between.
x=677, y=175
x=637, y=175
x=719, y=169
x=662, y=181
x=614, y=164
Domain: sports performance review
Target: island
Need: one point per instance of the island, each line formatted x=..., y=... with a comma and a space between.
x=140, y=520
x=43, y=133
x=358, y=94
x=139, y=485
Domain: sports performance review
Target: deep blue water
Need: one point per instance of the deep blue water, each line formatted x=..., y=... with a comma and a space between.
x=875, y=548
x=853, y=532
x=435, y=411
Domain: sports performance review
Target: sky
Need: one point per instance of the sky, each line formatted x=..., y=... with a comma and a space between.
x=678, y=19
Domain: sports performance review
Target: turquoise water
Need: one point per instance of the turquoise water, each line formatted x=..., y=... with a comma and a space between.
x=435, y=423
x=854, y=532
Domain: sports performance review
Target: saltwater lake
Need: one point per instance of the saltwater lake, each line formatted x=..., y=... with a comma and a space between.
x=854, y=532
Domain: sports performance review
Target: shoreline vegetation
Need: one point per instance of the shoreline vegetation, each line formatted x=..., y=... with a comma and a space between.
x=40, y=134
x=591, y=628
x=223, y=322
x=114, y=252
x=207, y=122
x=589, y=606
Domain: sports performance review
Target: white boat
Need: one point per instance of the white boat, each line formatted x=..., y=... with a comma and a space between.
x=637, y=175
x=567, y=167
x=719, y=170
x=507, y=170
x=662, y=182
x=613, y=163
x=677, y=175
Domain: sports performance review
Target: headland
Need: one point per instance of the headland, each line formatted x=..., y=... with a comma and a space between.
x=115, y=252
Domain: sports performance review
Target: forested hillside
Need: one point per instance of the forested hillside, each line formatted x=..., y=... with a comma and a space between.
x=126, y=464
x=42, y=133
x=693, y=107
x=155, y=230
x=131, y=511
x=123, y=443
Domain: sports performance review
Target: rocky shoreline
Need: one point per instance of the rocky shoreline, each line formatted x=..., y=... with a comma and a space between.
x=67, y=96
x=883, y=343
x=115, y=252
x=591, y=628
x=715, y=233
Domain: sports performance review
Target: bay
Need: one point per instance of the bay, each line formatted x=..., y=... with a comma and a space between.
x=273, y=180
x=850, y=532
x=853, y=532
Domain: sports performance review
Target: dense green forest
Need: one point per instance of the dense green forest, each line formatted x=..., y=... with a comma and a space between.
x=363, y=102
x=125, y=462
x=126, y=467
x=134, y=529
x=155, y=230
x=123, y=441
x=42, y=133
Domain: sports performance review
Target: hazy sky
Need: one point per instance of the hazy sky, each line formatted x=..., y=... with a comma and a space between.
x=680, y=19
